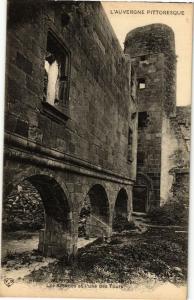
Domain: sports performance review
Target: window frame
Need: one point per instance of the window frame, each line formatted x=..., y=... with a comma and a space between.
x=59, y=112
x=141, y=81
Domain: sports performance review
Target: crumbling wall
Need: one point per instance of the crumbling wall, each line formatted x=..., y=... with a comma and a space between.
x=176, y=154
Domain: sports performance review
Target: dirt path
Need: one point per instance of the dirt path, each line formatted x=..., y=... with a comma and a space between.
x=21, y=241
x=25, y=270
x=25, y=242
x=19, y=245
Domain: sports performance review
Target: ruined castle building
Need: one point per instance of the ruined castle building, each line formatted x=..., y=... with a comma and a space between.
x=152, y=51
x=70, y=116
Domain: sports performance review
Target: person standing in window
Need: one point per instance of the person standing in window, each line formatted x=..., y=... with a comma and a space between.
x=52, y=79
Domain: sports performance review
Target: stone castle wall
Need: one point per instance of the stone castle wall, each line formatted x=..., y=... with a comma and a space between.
x=99, y=100
x=66, y=148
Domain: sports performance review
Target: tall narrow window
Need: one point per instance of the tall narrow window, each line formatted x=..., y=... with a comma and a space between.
x=130, y=144
x=133, y=84
x=57, y=73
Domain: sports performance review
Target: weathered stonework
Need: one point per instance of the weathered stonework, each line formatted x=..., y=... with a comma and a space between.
x=110, y=117
x=152, y=50
x=176, y=155
x=66, y=150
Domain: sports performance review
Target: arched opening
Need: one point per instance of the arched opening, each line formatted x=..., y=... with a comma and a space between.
x=120, y=221
x=38, y=208
x=141, y=194
x=23, y=217
x=94, y=215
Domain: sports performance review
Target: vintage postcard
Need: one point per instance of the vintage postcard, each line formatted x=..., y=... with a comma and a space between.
x=96, y=149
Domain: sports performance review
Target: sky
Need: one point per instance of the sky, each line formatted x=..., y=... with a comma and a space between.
x=181, y=25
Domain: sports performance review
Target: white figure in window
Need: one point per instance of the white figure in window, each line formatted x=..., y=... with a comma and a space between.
x=52, y=69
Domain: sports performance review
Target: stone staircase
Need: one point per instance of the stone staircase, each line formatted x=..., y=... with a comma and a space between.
x=141, y=220
x=97, y=227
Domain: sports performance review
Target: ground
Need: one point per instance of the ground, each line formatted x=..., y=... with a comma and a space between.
x=128, y=259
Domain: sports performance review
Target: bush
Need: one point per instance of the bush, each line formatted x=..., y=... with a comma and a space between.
x=172, y=213
x=23, y=209
x=121, y=223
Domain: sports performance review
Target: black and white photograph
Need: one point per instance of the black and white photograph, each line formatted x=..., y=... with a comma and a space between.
x=96, y=167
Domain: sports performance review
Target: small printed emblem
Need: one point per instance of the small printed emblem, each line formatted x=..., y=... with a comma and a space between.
x=8, y=281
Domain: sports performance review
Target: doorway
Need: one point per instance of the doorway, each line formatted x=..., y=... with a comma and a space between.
x=140, y=198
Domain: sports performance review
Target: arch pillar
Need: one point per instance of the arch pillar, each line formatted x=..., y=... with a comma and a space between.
x=56, y=237
x=54, y=240
x=129, y=203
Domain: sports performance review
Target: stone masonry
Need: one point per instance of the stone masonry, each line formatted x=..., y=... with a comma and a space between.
x=150, y=47
x=82, y=117
x=79, y=146
x=160, y=136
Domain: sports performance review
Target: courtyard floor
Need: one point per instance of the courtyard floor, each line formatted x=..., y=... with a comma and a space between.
x=129, y=259
x=22, y=241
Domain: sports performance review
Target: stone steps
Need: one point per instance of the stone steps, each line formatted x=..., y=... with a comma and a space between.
x=141, y=217
x=141, y=220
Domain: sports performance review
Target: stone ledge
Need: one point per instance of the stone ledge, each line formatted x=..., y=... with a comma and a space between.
x=59, y=115
x=35, y=148
x=23, y=149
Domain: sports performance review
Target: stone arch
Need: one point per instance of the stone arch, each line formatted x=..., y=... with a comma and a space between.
x=54, y=199
x=142, y=193
x=97, y=218
x=121, y=208
x=56, y=238
x=18, y=177
x=99, y=202
x=121, y=203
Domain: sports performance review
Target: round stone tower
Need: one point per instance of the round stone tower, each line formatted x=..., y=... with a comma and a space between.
x=151, y=40
x=152, y=51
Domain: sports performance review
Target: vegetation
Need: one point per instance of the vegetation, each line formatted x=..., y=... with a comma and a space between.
x=157, y=255
x=172, y=213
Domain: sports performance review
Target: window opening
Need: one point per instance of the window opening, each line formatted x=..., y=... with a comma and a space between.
x=130, y=143
x=56, y=73
x=133, y=84
x=143, y=119
x=141, y=83
x=142, y=58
